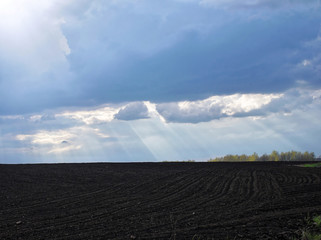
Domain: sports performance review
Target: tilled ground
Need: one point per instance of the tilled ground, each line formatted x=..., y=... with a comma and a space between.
x=157, y=200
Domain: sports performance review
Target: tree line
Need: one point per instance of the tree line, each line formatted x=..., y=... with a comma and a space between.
x=273, y=156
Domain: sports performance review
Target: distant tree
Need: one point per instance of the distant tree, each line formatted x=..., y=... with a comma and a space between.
x=284, y=157
x=242, y=158
x=189, y=161
x=312, y=155
x=274, y=156
x=306, y=156
x=294, y=155
x=264, y=158
x=254, y=157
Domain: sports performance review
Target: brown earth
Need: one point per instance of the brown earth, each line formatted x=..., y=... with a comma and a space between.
x=157, y=200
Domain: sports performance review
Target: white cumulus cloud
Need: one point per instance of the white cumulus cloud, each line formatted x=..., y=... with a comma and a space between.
x=214, y=107
x=61, y=140
x=239, y=105
x=133, y=111
x=100, y=115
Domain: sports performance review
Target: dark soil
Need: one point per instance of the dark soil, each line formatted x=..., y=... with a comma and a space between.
x=157, y=200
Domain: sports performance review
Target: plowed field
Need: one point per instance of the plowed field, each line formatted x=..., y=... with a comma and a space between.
x=157, y=200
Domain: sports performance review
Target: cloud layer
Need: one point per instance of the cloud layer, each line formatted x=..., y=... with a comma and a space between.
x=93, y=80
x=249, y=122
x=254, y=4
x=55, y=54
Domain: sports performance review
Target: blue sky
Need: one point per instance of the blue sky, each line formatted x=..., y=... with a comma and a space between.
x=145, y=80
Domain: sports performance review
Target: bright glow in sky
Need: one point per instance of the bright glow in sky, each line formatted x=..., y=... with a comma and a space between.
x=84, y=81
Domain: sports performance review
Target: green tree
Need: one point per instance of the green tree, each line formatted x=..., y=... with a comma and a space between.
x=274, y=156
x=254, y=157
x=264, y=157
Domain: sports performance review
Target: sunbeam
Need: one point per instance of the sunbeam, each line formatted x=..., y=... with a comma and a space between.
x=173, y=81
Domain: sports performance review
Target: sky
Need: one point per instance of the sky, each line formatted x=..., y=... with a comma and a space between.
x=149, y=80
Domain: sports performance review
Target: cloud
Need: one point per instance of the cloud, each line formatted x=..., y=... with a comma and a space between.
x=308, y=67
x=214, y=107
x=48, y=137
x=51, y=141
x=62, y=140
x=238, y=105
x=31, y=35
x=292, y=100
x=133, y=111
x=103, y=114
x=247, y=121
x=250, y=4
x=33, y=55
x=306, y=62
x=232, y=55
x=99, y=115
x=55, y=54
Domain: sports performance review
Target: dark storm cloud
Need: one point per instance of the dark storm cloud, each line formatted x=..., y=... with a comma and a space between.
x=240, y=55
x=171, y=51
